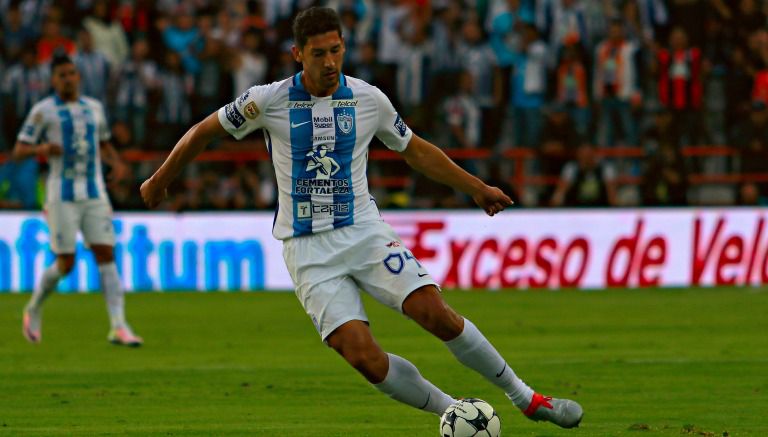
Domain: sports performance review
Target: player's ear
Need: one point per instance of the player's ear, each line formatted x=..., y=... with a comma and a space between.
x=296, y=53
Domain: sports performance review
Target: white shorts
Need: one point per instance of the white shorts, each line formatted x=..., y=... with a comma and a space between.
x=92, y=217
x=331, y=267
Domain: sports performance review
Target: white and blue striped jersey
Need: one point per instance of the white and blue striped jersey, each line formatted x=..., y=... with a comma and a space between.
x=78, y=127
x=319, y=148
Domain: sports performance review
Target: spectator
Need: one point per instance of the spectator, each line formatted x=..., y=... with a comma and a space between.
x=19, y=184
x=24, y=85
x=664, y=179
x=681, y=84
x=285, y=66
x=752, y=144
x=93, y=68
x=369, y=70
x=52, y=41
x=212, y=86
x=108, y=36
x=479, y=61
x=615, y=86
x=15, y=36
x=174, y=113
x=249, y=64
x=184, y=38
x=503, y=15
x=663, y=131
x=528, y=84
x=413, y=76
x=572, y=89
x=463, y=114
x=654, y=16
x=739, y=88
x=562, y=22
x=715, y=52
x=587, y=181
x=135, y=80
x=559, y=141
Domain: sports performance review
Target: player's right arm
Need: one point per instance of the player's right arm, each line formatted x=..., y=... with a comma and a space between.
x=28, y=140
x=153, y=190
x=238, y=118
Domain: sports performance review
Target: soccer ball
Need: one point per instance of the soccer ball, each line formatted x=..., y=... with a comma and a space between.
x=470, y=417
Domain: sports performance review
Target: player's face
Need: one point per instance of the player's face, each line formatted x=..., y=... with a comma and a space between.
x=321, y=59
x=66, y=80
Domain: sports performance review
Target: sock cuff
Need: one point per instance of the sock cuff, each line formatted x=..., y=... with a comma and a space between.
x=395, y=363
x=467, y=337
x=106, y=267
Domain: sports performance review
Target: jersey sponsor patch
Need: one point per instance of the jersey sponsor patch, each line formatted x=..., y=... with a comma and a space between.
x=400, y=126
x=233, y=115
x=243, y=97
x=300, y=105
x=309, y=210
x=251, y=110
x=344, y=103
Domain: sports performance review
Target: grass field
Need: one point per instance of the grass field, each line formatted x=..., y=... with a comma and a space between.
x=692, y=362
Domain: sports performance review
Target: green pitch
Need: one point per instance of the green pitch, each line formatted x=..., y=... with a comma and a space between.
x=692, y=362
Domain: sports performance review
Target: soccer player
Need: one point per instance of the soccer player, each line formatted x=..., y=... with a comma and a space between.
x=334, y=241
x=72, y=132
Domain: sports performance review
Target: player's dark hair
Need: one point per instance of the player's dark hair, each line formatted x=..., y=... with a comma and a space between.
x=314, y=21
x=60, y=59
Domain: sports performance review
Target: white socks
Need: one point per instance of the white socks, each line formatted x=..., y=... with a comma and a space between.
x=45, y=287
x=473, y=350
x=113, y=294
x=404, y=383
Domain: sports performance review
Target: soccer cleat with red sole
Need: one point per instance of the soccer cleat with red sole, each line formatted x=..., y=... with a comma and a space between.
x=562, y=412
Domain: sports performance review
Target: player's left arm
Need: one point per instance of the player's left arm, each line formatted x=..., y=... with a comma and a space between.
x=429, y=160
x=111, y=157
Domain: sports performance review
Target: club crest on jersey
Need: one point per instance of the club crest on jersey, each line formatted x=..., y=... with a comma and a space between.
x=345, y=123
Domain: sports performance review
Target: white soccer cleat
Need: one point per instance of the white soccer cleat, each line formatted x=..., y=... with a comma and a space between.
x=123, y=336
x=562, y=412
x=31, y=323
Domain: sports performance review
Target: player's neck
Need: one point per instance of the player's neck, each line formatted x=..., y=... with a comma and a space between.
x=68, y=97
x=315, y=90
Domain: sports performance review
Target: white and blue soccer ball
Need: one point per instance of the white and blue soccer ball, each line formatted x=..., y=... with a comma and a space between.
x=468, y=418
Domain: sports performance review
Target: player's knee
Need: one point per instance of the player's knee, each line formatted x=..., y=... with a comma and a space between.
x=65, y=263
x=103, y=254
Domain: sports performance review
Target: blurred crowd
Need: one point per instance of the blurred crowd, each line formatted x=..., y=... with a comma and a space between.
x=563, y=79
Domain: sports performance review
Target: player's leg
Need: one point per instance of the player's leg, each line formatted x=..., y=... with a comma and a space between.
x=318, y=265
x=427, y=307
x=62, y=227
x=394, y=376
x=99, y=234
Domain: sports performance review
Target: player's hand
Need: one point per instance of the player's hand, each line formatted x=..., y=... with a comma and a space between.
x=152, y=194
x=49, y=149
x=491, y=199
x=119, y=172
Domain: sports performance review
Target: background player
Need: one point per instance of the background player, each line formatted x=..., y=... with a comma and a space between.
x=72, y=132
x=334, y=239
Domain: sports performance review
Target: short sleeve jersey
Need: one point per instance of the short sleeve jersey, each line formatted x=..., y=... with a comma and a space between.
x=319, y=148
x=78, y=127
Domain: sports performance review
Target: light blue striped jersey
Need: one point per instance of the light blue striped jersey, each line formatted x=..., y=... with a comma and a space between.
x=78, y=127
x=319, y=148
